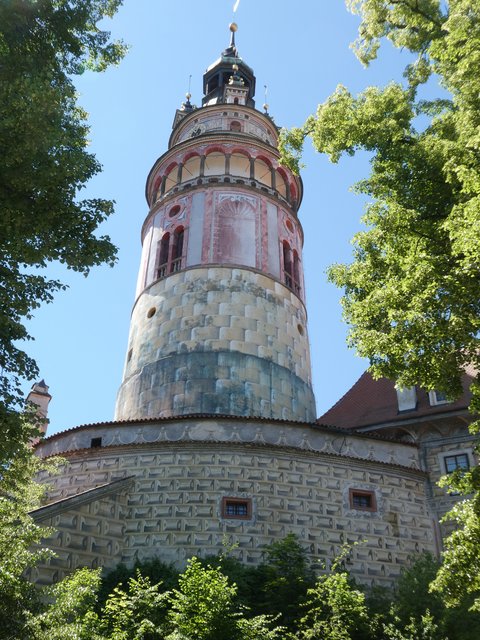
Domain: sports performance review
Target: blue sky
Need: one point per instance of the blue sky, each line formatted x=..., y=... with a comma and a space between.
x=300, y=50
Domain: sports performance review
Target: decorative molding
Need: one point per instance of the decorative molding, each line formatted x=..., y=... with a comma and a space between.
x=236, y=431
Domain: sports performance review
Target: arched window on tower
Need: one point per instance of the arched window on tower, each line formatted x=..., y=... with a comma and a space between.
x=191, y=168
x=170, y=252
x=177, y=250
x=263, y=173
x=287, y=264
x=293, y=194
x=162, y=262
x=239, y=165
x=296, y=272
x=214, y=164
x=280, y=184
x=291, y=268
x=171, y=178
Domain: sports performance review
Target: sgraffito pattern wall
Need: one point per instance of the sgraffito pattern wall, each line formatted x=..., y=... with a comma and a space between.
x=173, y=506
x=89, y=531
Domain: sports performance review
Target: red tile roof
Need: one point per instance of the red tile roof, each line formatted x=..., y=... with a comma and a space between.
x=373, y=402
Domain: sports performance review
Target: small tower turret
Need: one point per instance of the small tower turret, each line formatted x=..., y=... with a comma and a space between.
x=40, y=398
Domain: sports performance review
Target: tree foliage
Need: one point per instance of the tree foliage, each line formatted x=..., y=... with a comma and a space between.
x=412, y=292
x=278, y=586
x=415, y=606
x=287, y=578
x=459, y=574
x=70, y=612
x=43, y=167
x=335, y=610
x=159, y=573
x=425, y=629
x=20, y=539
x=137, y=613
x=204, y=607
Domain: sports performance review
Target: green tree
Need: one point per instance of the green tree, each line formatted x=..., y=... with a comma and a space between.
x=43, y=167
x=249, y=580
x=413, y=603
x=412, y=292
x=138, y=613
x=204, y=607
x=69, y=611
x=335, y=610
x=276, y=587
x=459, y=573
x=425, y=629
x=284, y=579
x=412, y=598
x=20, y=539
x=159, y=573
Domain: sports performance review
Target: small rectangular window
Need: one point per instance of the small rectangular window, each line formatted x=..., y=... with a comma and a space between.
x=437, y=397
x=459, y=461
x=95, y=442
x=363, y=500
x=240, y=508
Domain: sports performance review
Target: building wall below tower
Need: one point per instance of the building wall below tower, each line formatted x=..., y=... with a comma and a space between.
x=217, y=340
x=173, y=505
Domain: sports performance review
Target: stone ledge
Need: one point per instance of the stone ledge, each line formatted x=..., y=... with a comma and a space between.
x=66, y=504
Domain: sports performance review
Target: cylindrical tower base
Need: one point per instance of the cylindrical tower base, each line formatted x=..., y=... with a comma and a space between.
x=217, y=340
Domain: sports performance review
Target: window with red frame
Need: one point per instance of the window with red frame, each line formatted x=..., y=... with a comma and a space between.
x=291, y=268
x=239, y=508
x=170, y=252
x=362, y=500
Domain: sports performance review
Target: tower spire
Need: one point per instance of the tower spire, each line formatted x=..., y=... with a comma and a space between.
x=265, y=104
x=187, y=105
x=233, y=28
x=231, y=51
x=216, y=79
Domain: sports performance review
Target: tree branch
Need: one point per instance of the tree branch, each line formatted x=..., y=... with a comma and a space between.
x=416, y=9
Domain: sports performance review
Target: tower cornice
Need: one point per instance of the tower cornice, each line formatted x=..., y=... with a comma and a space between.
x=208, y=110
x=223, y=139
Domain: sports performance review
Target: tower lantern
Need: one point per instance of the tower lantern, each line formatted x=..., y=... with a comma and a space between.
x=219, y=320
x=229, y=74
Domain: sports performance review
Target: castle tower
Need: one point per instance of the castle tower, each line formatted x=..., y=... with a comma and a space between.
x=219, y=320
x=214, y=433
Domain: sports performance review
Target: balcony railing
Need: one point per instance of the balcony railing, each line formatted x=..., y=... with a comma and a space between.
x=176, y=265
x=164, y=269
x=291, y=283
